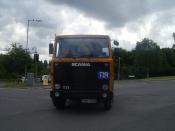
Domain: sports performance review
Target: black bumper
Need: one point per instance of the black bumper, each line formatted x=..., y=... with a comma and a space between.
x=81, y=94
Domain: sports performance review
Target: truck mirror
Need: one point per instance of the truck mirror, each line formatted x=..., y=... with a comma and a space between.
x=116, y=43
x=50, y=48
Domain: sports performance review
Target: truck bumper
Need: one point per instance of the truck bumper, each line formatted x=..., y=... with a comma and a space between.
x=99, y=95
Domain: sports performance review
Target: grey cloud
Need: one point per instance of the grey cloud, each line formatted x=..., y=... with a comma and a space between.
x=163, y=28
x=127, y=45
x=117, y=13
x=18, y=12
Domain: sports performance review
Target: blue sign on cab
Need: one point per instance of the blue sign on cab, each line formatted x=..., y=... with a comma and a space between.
x=103, y=75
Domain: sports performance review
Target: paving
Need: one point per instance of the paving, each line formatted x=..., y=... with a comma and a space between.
x=139, y=105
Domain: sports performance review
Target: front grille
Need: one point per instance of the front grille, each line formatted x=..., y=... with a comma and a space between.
x=82, y=75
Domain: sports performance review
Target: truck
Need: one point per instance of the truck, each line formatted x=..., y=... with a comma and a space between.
x=82, y=69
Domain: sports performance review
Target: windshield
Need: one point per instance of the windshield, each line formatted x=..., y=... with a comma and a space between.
x=82, y=47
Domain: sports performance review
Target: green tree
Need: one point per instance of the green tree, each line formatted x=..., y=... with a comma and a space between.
x=147, y=58
x=2, y=66
x=167, y=61
x=15, y=61
x=126, y=62
x=43, y=68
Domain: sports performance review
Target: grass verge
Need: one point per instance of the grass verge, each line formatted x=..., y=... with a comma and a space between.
x=12, y=84
x=160, y=78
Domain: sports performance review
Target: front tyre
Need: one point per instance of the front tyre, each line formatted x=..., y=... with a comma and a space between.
x=107, y=104
x=59, y=103
x=108, y=101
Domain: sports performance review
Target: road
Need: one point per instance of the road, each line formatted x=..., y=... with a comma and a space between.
x=138, y=106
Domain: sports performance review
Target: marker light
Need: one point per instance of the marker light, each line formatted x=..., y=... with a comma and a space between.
x=57, y=86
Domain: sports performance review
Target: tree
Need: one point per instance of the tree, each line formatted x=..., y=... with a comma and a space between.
x=146, y=44
x=126, y=61
x=167, y=61
x=15, y=61
x=43, y=68
x=147, y=58
x=2, y=66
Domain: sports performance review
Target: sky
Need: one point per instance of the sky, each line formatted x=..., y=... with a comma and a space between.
x=127, y=21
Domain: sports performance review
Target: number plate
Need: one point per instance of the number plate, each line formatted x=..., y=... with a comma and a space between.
x=89, y=101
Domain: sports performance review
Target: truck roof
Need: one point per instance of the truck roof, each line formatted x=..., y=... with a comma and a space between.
x=82, y=36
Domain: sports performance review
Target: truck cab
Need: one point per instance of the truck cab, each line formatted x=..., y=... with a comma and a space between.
x=81, y=69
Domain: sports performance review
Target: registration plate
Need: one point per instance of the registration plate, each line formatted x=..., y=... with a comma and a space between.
x=89, y=101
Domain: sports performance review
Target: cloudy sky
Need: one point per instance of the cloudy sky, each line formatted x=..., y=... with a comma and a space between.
x=128, y=21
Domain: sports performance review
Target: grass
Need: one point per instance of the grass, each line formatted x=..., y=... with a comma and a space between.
x=12, y=84
x=160, y=78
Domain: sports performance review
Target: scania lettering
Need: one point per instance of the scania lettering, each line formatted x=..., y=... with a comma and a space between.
x=81, y=64
x=82, y=69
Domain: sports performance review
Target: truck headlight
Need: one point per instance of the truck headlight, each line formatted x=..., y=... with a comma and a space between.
x=104, y=95
x=104, y=87
x=57, y=86
x=57, y=94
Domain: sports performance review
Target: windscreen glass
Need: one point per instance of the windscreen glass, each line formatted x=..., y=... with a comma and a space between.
x=82, y=47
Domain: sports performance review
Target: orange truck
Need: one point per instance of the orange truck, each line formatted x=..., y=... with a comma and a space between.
x=82, y=69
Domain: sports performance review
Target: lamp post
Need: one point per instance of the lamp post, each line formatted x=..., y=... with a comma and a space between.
x=28, y=24
x=36, y=60
x=118, y=68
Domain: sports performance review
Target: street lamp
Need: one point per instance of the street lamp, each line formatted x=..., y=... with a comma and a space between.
x=28, y=22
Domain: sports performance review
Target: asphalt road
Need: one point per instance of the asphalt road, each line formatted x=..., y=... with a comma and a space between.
x=138, y=106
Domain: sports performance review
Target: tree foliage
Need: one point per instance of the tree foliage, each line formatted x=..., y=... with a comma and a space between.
x=146, y=44
x=17, y=59
x=147, y=59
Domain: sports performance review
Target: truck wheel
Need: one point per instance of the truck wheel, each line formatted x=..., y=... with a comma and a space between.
x=59, y=103
x=107, y=104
